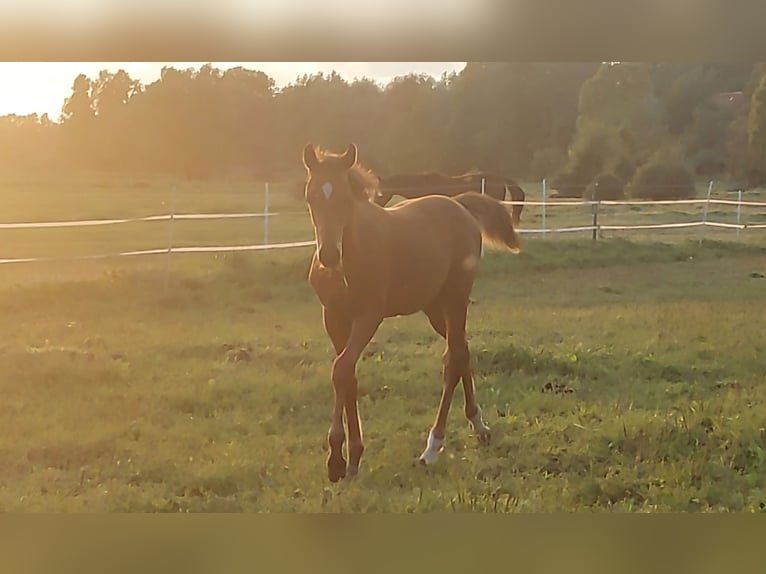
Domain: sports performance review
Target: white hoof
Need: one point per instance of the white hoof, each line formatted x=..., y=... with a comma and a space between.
x=433, y=448
x=479, y=425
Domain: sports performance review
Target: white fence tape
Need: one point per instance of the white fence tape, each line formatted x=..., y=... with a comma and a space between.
x=95, y=222
x=556, y=229
x=293, y=244
x=648, y=203
x=165, y=251
x=645, y=226
x=207, y=216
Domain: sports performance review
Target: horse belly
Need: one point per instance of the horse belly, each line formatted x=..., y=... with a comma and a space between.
x=419, y=274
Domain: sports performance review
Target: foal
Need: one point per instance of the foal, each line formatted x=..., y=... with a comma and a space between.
x=372, y=263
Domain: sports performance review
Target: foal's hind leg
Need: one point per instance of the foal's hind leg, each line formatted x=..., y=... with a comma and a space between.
x=436, y=317
x=472, y=410
x=450, y=323
x=471, y=407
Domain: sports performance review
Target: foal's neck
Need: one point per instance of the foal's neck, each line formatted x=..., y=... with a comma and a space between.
x=366, y=217
x=367, y=210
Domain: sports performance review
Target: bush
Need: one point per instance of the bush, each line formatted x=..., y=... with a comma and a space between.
x=597, y=149
x=545, y=161
x=623, y=168
x=605, y=186
x=567, y=184
x=593, y=148
x=662, y=178
x=708, y=162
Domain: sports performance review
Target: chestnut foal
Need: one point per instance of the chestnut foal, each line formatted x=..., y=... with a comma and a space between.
x=372, y=263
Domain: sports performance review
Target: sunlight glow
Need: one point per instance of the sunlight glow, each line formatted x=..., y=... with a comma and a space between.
x=42, y=87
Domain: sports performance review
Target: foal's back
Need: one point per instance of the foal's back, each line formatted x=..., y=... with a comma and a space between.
x=433, y=244
x=435, y=218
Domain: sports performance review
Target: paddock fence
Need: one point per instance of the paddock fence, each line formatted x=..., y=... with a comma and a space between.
x=748, y=216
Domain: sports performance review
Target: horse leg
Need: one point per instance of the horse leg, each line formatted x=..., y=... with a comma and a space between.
x=345, y=383
x=456, y=361
x=338, y=326
x=351, y=405
x=471, y=407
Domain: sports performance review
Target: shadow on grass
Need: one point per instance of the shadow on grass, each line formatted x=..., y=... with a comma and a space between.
x=592, y=365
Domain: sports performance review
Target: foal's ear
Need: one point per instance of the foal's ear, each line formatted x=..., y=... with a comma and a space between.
x=349, y=158
x=310, y=157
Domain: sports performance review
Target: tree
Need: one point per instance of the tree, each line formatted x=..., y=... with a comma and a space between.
x=664, y=176
x=704, y=141
x=78, y=118
x=619, y=125
x=247, y=122
x=526, y=120
x=28, y=143
x=415, y=121
x=757, y=132
x=109, y=95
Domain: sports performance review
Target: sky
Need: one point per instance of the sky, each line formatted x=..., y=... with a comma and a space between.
x=41, y=87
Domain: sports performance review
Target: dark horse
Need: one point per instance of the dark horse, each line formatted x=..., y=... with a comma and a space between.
x=410, y=186
x=372, y=263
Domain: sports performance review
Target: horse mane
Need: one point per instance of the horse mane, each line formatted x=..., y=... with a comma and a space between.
x=362, y=180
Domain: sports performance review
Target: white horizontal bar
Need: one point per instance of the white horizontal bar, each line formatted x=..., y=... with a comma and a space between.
x=205, y=249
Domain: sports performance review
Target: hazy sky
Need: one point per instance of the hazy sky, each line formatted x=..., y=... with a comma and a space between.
x=41, y=87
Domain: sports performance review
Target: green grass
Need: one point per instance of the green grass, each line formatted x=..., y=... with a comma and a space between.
x=122, y=390
x=103, y=198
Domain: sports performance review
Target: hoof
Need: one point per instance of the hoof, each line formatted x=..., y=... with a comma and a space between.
x=336, y=468
x=484, y=438
x=352, y=469
x=433, y=448
x=422, y=462
x=429, y=456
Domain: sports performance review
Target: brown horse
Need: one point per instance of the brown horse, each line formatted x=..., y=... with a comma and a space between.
x=372, y=263
x=410, y=186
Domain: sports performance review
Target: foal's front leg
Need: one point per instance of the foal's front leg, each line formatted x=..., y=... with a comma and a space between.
x=345, y=383
x=337, y=323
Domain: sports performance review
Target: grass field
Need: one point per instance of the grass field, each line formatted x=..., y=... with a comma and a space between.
x=616, y=375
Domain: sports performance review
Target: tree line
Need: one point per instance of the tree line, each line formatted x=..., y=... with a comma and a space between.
x=576, y=123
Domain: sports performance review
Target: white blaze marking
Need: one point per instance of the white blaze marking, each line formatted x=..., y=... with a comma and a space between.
x=327, y=190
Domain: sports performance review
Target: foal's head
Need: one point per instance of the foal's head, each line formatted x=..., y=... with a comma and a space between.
x=335, y=182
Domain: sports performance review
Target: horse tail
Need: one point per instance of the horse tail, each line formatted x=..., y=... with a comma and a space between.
x=494, y=220
x=517, y=194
